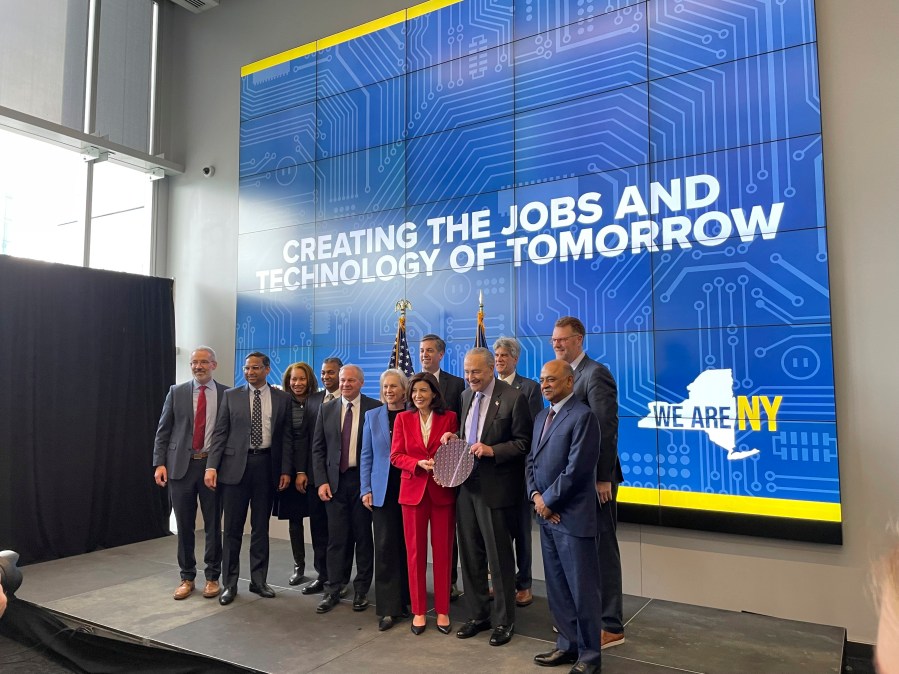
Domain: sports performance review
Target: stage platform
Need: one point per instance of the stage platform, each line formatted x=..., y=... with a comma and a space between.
x=128, y=591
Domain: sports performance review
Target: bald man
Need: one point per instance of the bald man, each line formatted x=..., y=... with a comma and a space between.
x=336, y=455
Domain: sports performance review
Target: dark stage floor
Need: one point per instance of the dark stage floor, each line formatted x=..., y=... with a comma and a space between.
x=129, y=590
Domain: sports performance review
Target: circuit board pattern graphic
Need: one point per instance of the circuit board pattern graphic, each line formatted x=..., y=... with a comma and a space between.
x=484, y=106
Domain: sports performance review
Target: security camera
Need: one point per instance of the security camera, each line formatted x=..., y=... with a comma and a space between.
x=208, y=171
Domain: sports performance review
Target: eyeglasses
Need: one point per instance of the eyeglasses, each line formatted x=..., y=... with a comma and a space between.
x=253, y=368
x=560, y=340
x=200, y=362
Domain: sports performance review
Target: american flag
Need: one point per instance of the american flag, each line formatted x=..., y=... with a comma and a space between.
x=400, y=357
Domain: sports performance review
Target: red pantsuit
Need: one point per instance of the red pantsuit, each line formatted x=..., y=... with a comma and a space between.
x=424, y=502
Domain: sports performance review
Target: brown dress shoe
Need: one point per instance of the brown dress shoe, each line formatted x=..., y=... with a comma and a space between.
x=524, y=597
x=211, y=589
x=184, y=590
x=610, y=639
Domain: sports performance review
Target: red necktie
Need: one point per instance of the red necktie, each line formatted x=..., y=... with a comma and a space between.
x=346, y=434
x=200, y=421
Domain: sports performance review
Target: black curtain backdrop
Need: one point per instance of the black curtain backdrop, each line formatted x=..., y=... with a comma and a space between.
x=86, y=358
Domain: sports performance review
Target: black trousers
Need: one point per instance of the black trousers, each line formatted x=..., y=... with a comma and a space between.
x=484, y=539
x=318, y=527
x=184, y=494
x=610, y=565
x=256, y=492
x=391, y=570
x=349, y=529
x=520, y=528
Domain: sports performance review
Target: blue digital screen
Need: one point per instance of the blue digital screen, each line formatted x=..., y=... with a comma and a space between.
x=653, y=167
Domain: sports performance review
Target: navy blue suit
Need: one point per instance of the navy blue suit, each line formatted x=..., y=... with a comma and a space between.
x=561, y=467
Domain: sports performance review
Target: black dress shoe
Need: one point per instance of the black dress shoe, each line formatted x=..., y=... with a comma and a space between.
x=360, y=602
x=386, y=623
x=227, y=595
x=315, y=587
x=296, y=577
x=262, y=590
x=418, y=629
x=472, y=627
x=454, y=593
x=444, y=629
x=555, y=657
x=584, y=668
x=344, y=591
x=328, y=602
x=502, y=635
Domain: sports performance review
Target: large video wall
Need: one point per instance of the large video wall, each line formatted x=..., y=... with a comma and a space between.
x=652, y=167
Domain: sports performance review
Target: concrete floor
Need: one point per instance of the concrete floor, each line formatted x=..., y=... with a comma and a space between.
x=128, y=589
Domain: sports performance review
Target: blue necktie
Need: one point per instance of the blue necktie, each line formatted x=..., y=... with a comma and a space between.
x=475, y=418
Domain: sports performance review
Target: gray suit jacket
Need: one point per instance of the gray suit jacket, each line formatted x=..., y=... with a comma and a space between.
x=530, y=390
x=231, y=438
x=595, y=386
x=326, y=441
x=175, y=433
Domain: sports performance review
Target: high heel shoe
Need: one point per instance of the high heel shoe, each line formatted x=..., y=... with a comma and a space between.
x=444, y=629
x=417, y=629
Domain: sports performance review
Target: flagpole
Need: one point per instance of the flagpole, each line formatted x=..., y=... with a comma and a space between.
x=481, y=336
x=402, y=306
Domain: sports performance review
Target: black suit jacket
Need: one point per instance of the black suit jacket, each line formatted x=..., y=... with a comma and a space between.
x=326, y=441
x=451, y=388
x=302, y=449
x=508, y=429
x=175, y=433
x=595, y=386
x=530, y=390
x=231, y=439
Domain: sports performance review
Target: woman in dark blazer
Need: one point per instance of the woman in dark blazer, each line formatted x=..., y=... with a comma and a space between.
x=416, y=437
x=380, y=490
x=292, y=504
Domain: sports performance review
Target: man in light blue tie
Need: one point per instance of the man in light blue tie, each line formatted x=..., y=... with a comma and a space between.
x=496, y=422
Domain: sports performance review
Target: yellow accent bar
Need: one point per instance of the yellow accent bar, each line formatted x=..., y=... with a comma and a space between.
x=364, y=29
x=426, y=7
x=640, y=495
x=726, y=503
x=346, y=35
x=278, y=59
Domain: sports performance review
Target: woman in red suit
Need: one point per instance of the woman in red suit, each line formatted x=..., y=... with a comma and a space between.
x=416, y=437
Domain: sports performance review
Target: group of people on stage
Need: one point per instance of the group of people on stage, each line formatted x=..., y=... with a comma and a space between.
x=362, y=471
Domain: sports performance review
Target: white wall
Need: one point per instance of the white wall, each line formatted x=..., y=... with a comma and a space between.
x=858, y=53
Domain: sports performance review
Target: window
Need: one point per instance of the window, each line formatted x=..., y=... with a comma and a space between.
x=120, y=220
x=42, y=209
